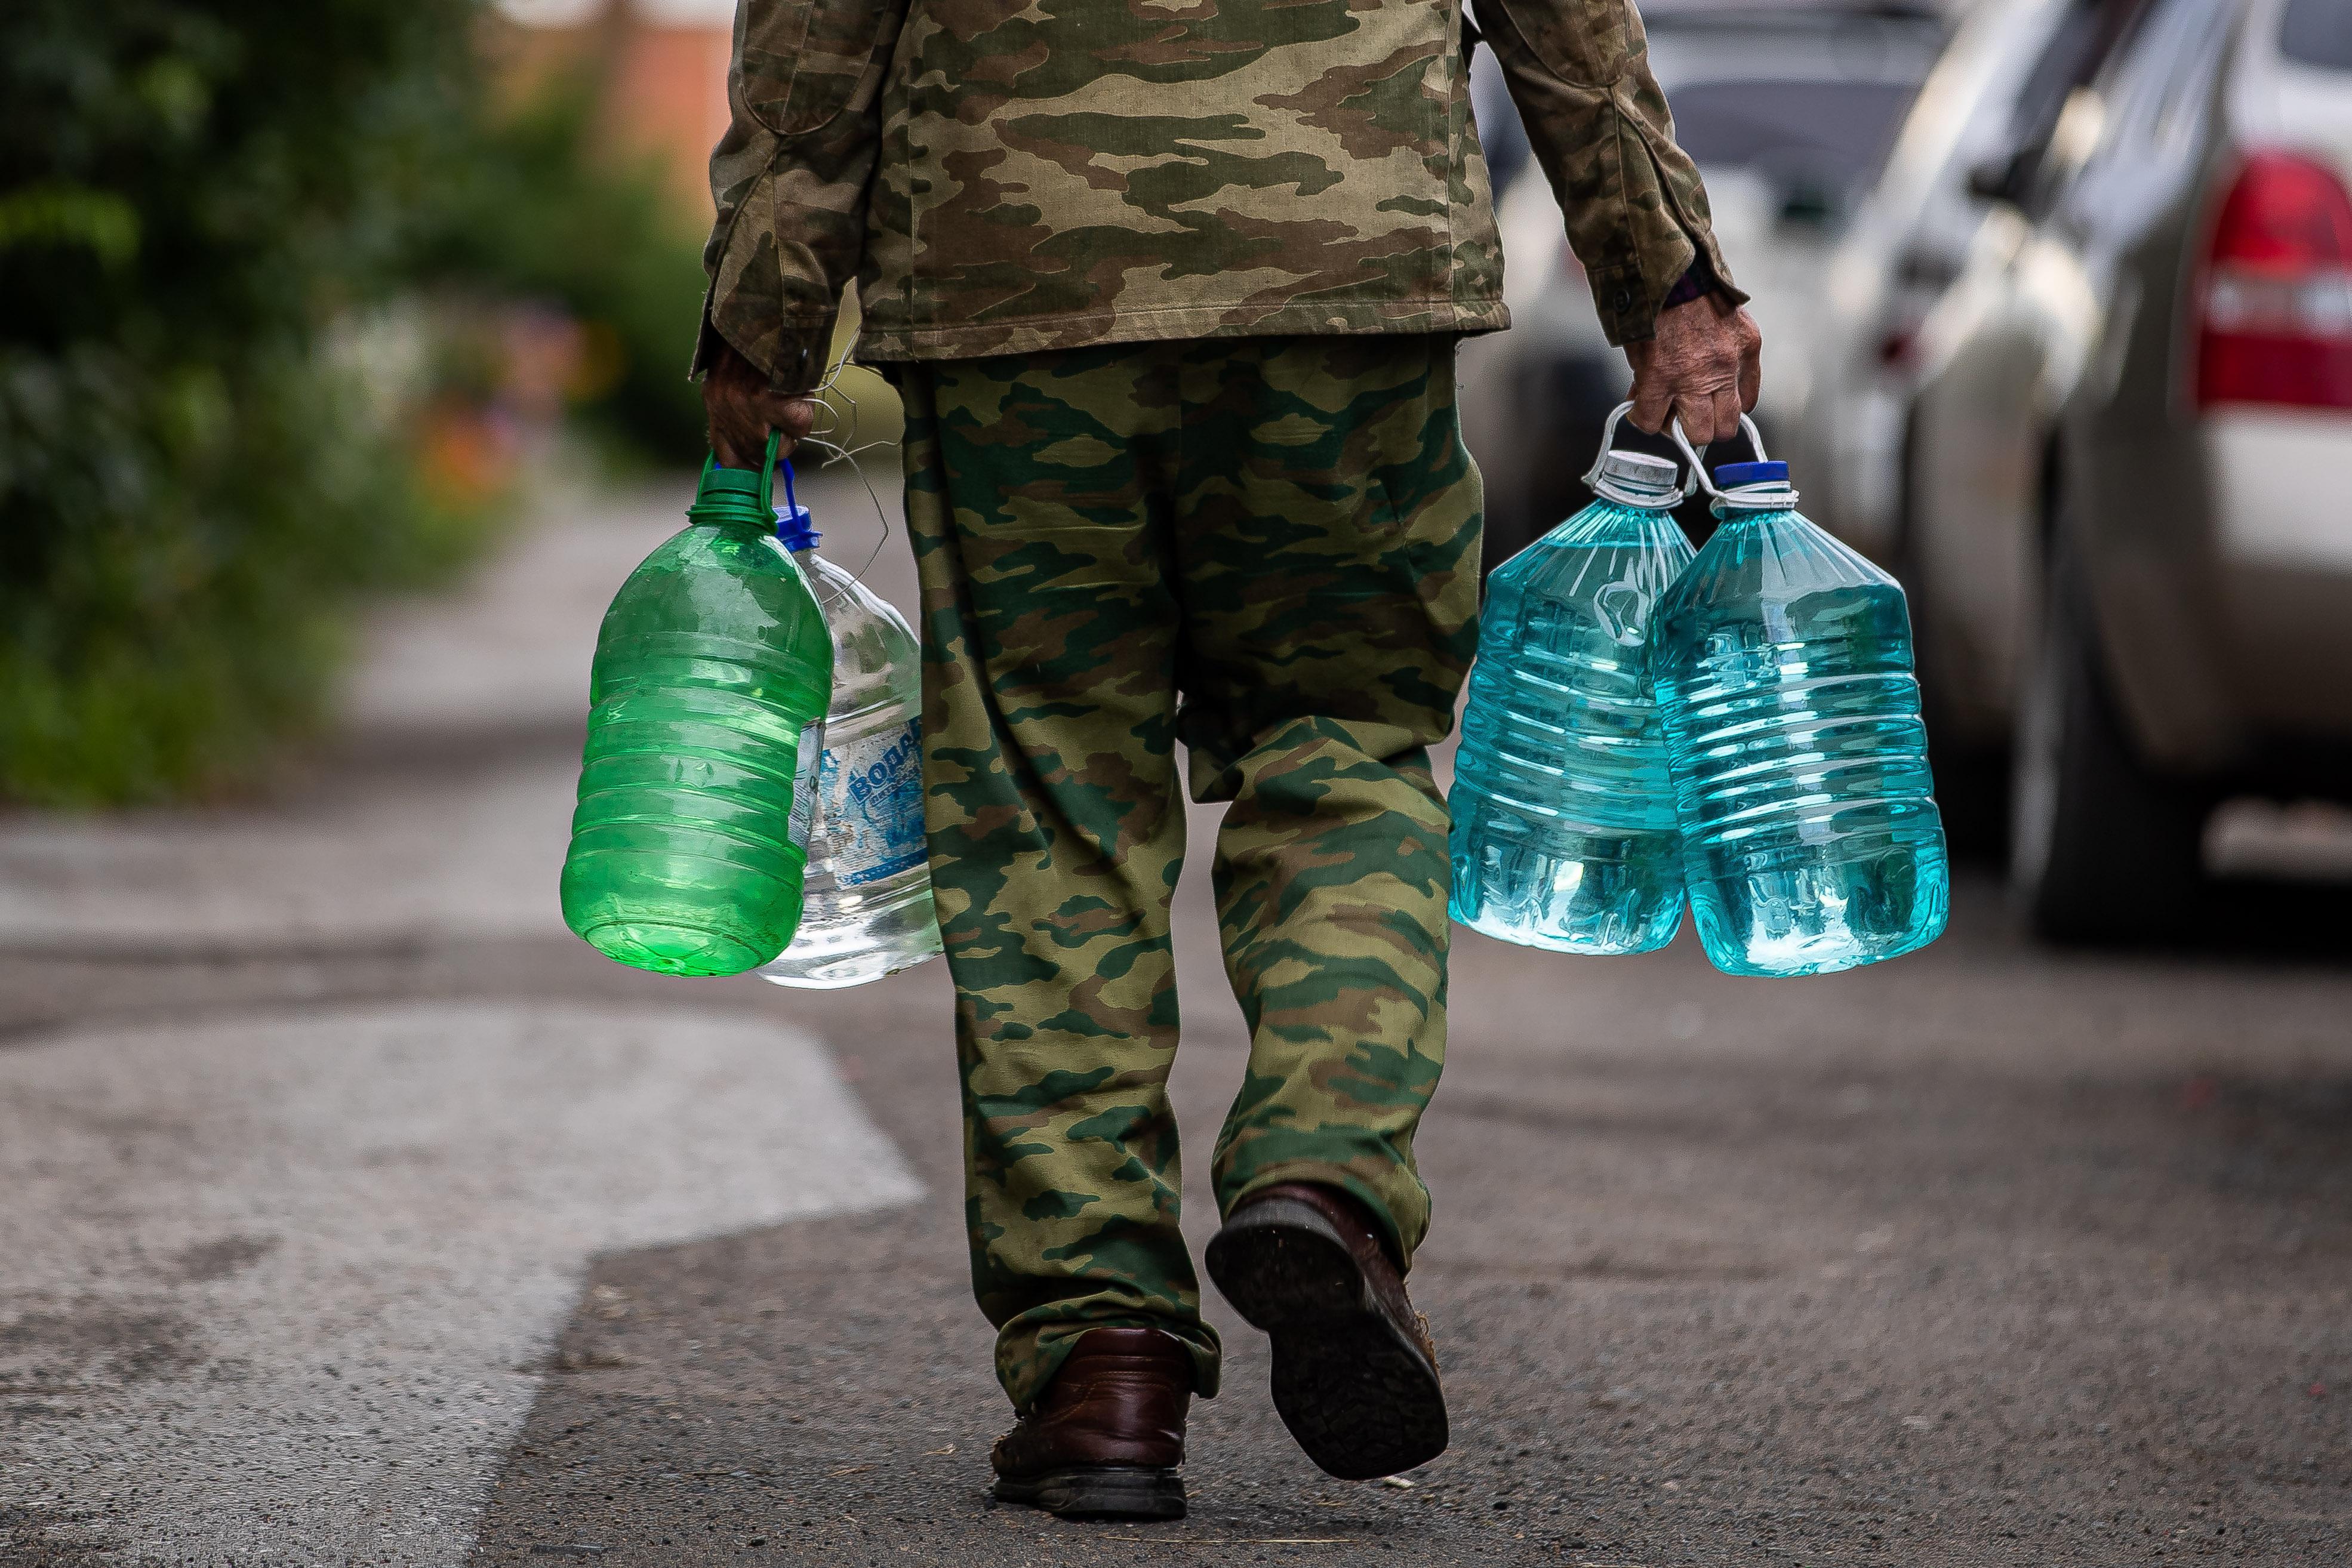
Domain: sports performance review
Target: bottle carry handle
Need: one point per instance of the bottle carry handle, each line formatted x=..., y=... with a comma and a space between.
x=767, y=471
x=1780, y=499
x=1592, y=480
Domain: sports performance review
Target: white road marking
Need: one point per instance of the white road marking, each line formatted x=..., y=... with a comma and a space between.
x=273, y=1289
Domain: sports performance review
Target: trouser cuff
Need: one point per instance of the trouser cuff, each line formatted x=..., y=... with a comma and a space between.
x=1028, y=1360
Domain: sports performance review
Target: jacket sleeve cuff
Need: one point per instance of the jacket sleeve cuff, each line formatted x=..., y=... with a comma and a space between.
x=1696, y=285
x=1630, y=299
x=793, y=355
x=776, y=309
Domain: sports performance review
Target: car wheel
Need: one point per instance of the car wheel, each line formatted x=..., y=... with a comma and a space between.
x=2103, y=849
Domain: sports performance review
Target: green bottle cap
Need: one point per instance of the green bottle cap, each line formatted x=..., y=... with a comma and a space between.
x=736, y=494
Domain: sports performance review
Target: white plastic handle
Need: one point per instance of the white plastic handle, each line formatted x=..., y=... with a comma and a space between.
x=1698, y=462
x=1691, y=481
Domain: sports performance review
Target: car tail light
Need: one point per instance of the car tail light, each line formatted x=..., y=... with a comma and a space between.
x=2275, y=305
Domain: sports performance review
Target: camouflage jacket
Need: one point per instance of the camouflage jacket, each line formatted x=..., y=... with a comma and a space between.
x=1001, y=177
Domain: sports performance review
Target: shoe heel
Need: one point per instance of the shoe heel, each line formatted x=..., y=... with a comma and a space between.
x=1279, y=1262
x=1351, y=1381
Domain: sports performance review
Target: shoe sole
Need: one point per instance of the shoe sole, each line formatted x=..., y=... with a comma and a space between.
x=1356, y=1391
x=1098, y=1492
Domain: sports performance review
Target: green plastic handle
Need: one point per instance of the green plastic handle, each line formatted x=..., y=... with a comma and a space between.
x=767, y=469
x=767, y=474
x=716, y=503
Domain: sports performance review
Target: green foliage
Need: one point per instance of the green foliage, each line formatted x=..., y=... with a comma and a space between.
x=532, y=214
x=203, y=548
x=192, y=497
x=198, y=189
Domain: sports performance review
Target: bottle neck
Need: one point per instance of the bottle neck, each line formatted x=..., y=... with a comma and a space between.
x=725, y=514
x=728, y=497
x=1745, y=503
x=1642, y=499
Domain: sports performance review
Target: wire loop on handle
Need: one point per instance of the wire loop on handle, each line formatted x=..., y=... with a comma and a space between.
x=835, y=436
x=1595, y=481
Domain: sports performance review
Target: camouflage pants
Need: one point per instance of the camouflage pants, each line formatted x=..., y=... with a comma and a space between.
x=1267, y=549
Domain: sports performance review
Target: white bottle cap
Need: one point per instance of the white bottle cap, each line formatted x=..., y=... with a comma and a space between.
x=1638, y=479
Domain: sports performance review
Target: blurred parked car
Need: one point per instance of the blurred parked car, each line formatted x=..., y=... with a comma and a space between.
x=1786, y=107
x=1906, y=243
x=2120, y=516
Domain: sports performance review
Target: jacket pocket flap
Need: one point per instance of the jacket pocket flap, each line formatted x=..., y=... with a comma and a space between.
x=801, y=61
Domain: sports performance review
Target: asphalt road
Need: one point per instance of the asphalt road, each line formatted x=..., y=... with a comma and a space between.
x=358, y=1214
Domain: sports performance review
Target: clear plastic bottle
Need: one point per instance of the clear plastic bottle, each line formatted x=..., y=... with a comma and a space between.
x=699, y=783
x=1800, y=763
x=869, y=898
x=1564, y=829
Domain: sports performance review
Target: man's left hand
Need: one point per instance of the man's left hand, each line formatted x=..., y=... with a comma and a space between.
x=1703, y=366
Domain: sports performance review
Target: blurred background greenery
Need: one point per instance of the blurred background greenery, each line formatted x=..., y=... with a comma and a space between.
x=289, y=295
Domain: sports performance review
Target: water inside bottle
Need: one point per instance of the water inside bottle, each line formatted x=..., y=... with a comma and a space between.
x=1564, y=829
x=696, y=784
x=1810, y=834
x=868, y=909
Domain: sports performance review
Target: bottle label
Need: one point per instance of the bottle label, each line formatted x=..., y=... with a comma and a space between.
x=805, y=769
x=873, y=791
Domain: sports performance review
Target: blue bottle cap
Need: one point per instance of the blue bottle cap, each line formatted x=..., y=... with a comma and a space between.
x=794, y=529
x=1732, y=474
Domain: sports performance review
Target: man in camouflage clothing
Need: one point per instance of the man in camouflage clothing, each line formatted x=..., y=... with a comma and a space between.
x=1171, y=293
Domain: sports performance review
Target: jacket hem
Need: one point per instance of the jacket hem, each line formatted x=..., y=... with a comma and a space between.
x=1307, y=318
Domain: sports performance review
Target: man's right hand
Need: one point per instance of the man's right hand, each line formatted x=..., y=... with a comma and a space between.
x=743, y=408
x=1703, y=367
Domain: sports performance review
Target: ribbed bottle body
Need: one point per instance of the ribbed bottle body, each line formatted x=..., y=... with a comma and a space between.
x=1811, y=836
x=866, y=906
x=697, y=784
x=1564, y=832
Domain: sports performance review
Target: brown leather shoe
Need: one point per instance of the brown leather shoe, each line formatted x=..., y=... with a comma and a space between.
x=1355, y=1376
x=1104, y=1439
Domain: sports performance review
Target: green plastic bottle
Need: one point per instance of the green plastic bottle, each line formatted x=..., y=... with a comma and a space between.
x=698, y=790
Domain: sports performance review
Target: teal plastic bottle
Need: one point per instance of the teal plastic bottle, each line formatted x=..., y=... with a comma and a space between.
x=1811, y=836
x=699, y=786
x=1564, y=828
